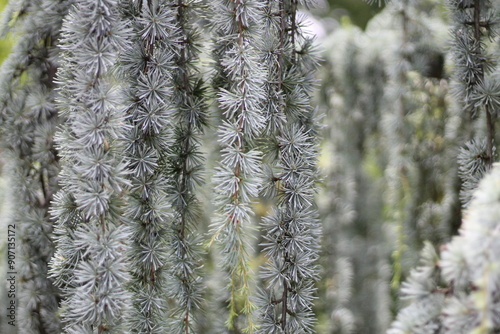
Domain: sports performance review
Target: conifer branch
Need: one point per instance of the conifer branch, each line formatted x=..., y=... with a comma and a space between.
x=184, y=165
x=92, y=237
x=475, y=86
x=292, y=228
x=146, y=66
x=490, y=127
x=237, y=176
x=29, y=120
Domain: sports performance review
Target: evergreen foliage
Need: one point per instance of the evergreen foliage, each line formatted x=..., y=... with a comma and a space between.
x=237, y=178
x=443, y=297
x=416, y=150
x=474, y=25
x=458, y=292
x=92, y=238
x=291, y=231
x=421, y=287
x=420, y=128
x=146, y=67
x=185, y=166
x=124, y=181
x=350, y=204
x=28, y=121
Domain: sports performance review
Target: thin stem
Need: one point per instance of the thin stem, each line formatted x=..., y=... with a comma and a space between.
x=293, y=29
x=477, y=20
x=184, y=174
x=103, y=224
x=284, y=309
x=490, y=128
x=282, y=40
x=284, y=298
x=490, y=125
x=240, y=273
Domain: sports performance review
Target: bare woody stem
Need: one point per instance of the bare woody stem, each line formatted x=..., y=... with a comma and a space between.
x=282, y=16
x=184, y=188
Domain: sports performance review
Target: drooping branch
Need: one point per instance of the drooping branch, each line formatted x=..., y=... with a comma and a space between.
x=146, y=67
x=184, y=165
x=291, y=230
x=89, y=265
x=29, y=120
x=240, y=99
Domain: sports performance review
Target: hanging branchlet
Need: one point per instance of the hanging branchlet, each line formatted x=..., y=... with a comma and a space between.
x=29, y=120
x=184, y=167
x=237, y=178
x=147, y=66
x=470, y=260
x=473, y=27
x=92, y=236
x=292, y=229
x=417, y=131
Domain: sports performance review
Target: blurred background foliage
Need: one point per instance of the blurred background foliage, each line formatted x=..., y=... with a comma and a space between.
x=5, y=43
x=360, y=12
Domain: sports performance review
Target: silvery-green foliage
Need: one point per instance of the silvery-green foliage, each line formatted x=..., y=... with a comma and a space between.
x=421, y=130
x=215, y=313
x=184, y=167
x=240, y=98
x=291, y=230
x=89, y=264
x=458, y=292
x=470, y=263
x=473, y=24
x=353, y=83
x=421, y=316
x=29, y=119
x=473, y=164
x=476, y=86
x=146, y=66
x=457, y=313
